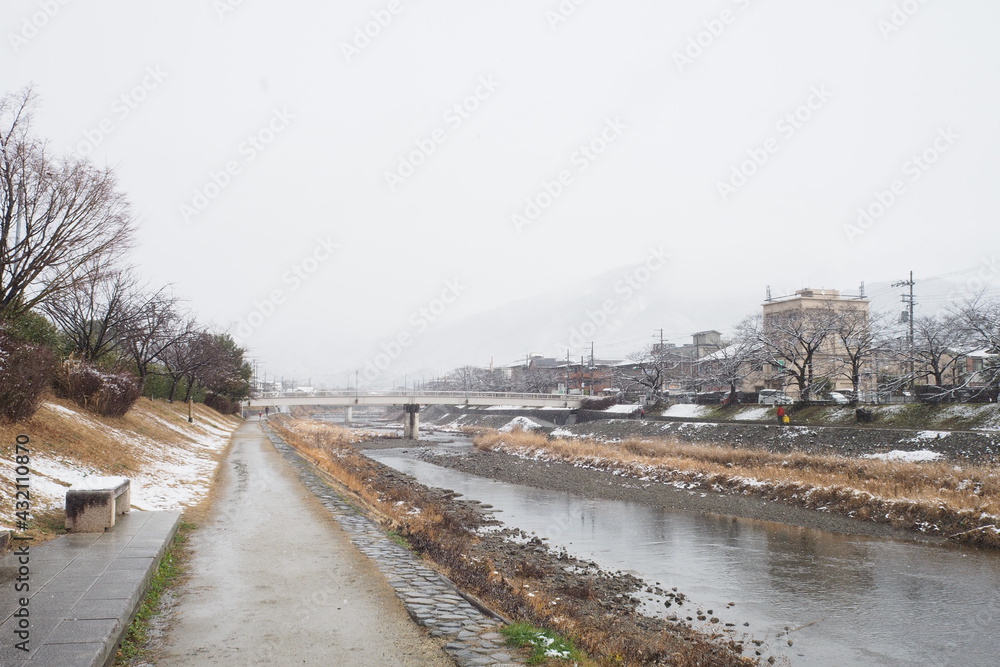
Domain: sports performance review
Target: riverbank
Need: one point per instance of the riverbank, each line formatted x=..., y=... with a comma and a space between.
x=958, y=433
x=516, y=574
x=593, y=482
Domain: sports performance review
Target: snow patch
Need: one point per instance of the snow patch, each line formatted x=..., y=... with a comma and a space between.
x=522, y=423
x=929, y=435
x=755, y=414
x=686, y=410
x=918, y=456
x=622, y=409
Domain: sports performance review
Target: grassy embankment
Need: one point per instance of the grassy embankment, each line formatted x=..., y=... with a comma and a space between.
x=64, y=437
x=960, y=503
x=153, y=432
x=445, y=538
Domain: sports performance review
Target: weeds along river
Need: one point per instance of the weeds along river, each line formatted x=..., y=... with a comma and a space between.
x=813, y=598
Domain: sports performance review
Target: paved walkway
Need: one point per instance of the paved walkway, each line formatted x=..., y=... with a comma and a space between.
x=84, y=590
x=276, y=580
x=432, y=600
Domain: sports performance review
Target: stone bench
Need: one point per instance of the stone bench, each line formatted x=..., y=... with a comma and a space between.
x=93, y=504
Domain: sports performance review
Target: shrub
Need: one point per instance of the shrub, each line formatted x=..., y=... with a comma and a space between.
x=110, y=394
x=598, y=403
x=222, y=404
x=25, y=373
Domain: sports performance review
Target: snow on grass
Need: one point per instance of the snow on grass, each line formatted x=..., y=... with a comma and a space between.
x=562, y=433
x=173, y=474
x=755, y=414
x=686, y=410
x=918, y=456
x=928, y=435
x=622, y=409
x=522, y=423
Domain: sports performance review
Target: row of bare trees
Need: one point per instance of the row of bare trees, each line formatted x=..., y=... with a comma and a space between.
x=811, y=348
x=65, y=233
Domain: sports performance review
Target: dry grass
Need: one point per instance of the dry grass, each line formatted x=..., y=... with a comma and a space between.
x=519, y=591
x=112, y=446
x=962, y=503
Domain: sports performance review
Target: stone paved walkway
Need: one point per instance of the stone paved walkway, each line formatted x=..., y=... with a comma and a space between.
x=431, y=599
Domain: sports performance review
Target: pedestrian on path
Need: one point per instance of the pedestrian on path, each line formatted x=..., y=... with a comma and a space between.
x=781, y=414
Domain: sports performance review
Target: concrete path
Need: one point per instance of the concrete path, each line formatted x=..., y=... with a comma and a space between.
x=84, y=589
x=275, y=581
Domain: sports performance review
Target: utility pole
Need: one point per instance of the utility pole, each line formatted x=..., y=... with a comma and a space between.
x=567, y=371
x=911, y=302
x=591, y=368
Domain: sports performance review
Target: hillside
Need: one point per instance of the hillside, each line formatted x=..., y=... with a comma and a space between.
x=171, y=462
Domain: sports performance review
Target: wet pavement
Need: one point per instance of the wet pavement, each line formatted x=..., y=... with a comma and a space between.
x=431, y=600
x=289, y=573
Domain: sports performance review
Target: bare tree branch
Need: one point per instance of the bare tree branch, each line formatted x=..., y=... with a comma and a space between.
x=56, y=216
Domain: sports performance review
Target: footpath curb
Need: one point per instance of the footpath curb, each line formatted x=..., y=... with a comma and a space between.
x=430, y=598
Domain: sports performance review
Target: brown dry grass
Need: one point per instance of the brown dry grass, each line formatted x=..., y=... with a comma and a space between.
x=111, y=446
x=962, y=503
x=519, y=593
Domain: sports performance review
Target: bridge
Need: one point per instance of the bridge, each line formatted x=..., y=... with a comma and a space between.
x=412, y=400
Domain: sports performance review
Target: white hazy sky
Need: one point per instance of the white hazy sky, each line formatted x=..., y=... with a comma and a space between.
x=254, y=136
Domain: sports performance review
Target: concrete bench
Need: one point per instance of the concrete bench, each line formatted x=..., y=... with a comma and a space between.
x=93, y=504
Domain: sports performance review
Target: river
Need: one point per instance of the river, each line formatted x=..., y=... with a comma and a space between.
x=813, y=598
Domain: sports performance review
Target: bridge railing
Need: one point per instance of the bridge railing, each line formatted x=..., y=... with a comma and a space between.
x=438, y=394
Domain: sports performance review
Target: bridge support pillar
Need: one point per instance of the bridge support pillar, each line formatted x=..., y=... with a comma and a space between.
x=348, y=414
x=411, y=422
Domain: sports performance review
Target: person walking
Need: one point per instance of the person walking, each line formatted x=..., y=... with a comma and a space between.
x=781, y=414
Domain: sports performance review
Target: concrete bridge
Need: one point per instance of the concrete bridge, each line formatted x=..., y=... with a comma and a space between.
x=412, y=401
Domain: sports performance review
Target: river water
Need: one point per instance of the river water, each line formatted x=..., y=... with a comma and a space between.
x=813, y=598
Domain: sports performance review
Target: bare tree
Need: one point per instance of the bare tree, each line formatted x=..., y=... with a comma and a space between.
x=153, y=325
x=860, y=337
x=56, y=216
x=184, y=359
x=650, y=369
x=792, y=343
x=980, y=321
x=939, y=341
x=93, y=310
x=734, y=361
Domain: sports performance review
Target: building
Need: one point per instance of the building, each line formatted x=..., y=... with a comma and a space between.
x=802, y=341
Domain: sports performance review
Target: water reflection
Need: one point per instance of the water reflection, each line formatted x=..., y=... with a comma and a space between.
x=840, y=600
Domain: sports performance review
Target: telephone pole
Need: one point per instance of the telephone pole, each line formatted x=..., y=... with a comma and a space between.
x=910, y=301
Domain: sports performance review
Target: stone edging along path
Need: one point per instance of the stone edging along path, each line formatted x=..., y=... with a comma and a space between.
x=431, y=599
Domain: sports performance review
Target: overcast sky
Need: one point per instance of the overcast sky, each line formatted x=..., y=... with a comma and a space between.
x=333, y=181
